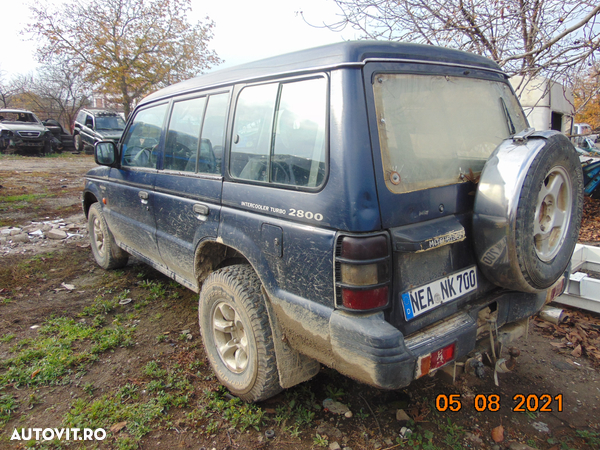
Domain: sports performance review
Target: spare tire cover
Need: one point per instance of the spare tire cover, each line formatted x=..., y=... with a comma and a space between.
x=527, y=212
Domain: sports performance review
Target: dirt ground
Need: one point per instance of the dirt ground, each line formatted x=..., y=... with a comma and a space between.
x=121, y=350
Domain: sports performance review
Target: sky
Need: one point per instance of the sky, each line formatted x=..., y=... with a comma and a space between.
x=245, y=30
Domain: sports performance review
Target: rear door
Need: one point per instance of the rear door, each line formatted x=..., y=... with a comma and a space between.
x=433, y=129
x=188, y=188
x=130, y=200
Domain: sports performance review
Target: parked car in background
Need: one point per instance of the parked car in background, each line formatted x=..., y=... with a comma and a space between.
x=95, y=125
x=22, y=132
x=63, y=139
x=324, y=220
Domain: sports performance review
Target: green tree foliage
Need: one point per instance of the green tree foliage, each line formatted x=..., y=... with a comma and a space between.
x=126, y=48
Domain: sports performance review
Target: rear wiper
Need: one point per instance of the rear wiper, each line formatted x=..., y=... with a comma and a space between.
x=511, y=126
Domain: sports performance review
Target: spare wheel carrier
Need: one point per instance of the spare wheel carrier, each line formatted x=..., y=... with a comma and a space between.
x=527, y=211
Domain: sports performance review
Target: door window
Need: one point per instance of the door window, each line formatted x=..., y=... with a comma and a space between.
x=213, y=133
x=181, y=145
x=280, y=133
x=204, y=117
x=143, y=136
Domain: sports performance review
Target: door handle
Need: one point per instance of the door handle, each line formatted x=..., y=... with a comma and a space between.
x=144, y=198
x=201, y=209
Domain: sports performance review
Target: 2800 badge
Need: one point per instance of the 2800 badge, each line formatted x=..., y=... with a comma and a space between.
x=307, y=214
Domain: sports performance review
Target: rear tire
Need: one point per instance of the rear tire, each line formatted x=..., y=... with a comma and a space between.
x=106, y=252
x=237, y=334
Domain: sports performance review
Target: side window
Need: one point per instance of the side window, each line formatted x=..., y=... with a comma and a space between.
x=299, y=147
x=213, y=133
x=252, y=128
x=89, y=121
x=280, y=133
x=141, y=142
x=181, y=145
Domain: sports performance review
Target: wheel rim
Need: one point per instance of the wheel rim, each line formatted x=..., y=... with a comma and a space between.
x=230, y=337
x=99, y=237
x=552, y=213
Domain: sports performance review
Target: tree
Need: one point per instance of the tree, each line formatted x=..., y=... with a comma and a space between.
x=525, y=37
x=7, y=91
x=126, y=48
x=587, y=98
x=55, y=92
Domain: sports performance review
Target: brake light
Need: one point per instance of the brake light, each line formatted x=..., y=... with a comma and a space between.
x=363, y=272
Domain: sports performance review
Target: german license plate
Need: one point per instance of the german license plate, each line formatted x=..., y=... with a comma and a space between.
x=425, y=298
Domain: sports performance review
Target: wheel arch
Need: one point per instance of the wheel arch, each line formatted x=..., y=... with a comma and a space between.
x=292, y=366
x=88, y=200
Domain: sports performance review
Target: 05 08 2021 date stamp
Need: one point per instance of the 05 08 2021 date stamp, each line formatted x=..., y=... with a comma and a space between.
x=491, y=402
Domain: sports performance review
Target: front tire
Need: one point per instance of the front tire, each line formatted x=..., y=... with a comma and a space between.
x=106, y=252
x=237, y=334
x=78, y=143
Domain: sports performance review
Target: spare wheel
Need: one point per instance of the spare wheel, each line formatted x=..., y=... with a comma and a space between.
x=527, y=211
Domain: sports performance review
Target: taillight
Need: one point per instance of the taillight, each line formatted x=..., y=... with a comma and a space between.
x=363, y=268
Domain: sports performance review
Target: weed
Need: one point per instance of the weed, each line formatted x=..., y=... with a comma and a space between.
x=6, y=300
x=7, y=406
x=123, y=295
x=334, y=392
x=50, y=358
x=153, y=370
x=156, y=317
x=320, y=441
x=362, y=415
x=7, y=338
x=304, y=416
x=294, y=431
x=452, y=434
x=239, y=414
x=100, y=305
x=161, y=338
x=591, y=437
x=89, y=388
x=127, y=392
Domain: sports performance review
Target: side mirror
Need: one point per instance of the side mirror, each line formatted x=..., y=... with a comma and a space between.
x=105, y=153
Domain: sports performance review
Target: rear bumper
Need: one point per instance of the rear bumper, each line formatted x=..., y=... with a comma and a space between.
x=372, y=351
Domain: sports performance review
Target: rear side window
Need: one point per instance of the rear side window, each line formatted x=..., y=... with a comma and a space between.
x=280, y=133
x=143, y=136
x=195, y=135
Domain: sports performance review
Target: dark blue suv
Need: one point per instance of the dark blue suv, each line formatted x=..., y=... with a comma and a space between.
x=376, y=207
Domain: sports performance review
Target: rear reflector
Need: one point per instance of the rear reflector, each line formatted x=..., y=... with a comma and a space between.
x=365, y=299
x=434, y=360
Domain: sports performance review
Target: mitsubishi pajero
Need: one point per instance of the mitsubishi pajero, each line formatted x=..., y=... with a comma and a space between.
x=369, y=206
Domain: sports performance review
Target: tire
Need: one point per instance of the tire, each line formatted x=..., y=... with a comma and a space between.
x=77, y=142
x=527, y=212
x=106, y=252
x=549, y=213
x=237, y=334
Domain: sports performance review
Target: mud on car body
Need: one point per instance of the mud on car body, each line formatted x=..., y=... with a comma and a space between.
x=369, y=206
x=22, y=132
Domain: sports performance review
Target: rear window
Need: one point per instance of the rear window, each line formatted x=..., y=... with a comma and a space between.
x=434, y=130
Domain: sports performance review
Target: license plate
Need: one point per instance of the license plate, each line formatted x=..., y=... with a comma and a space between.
x=425, y=298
